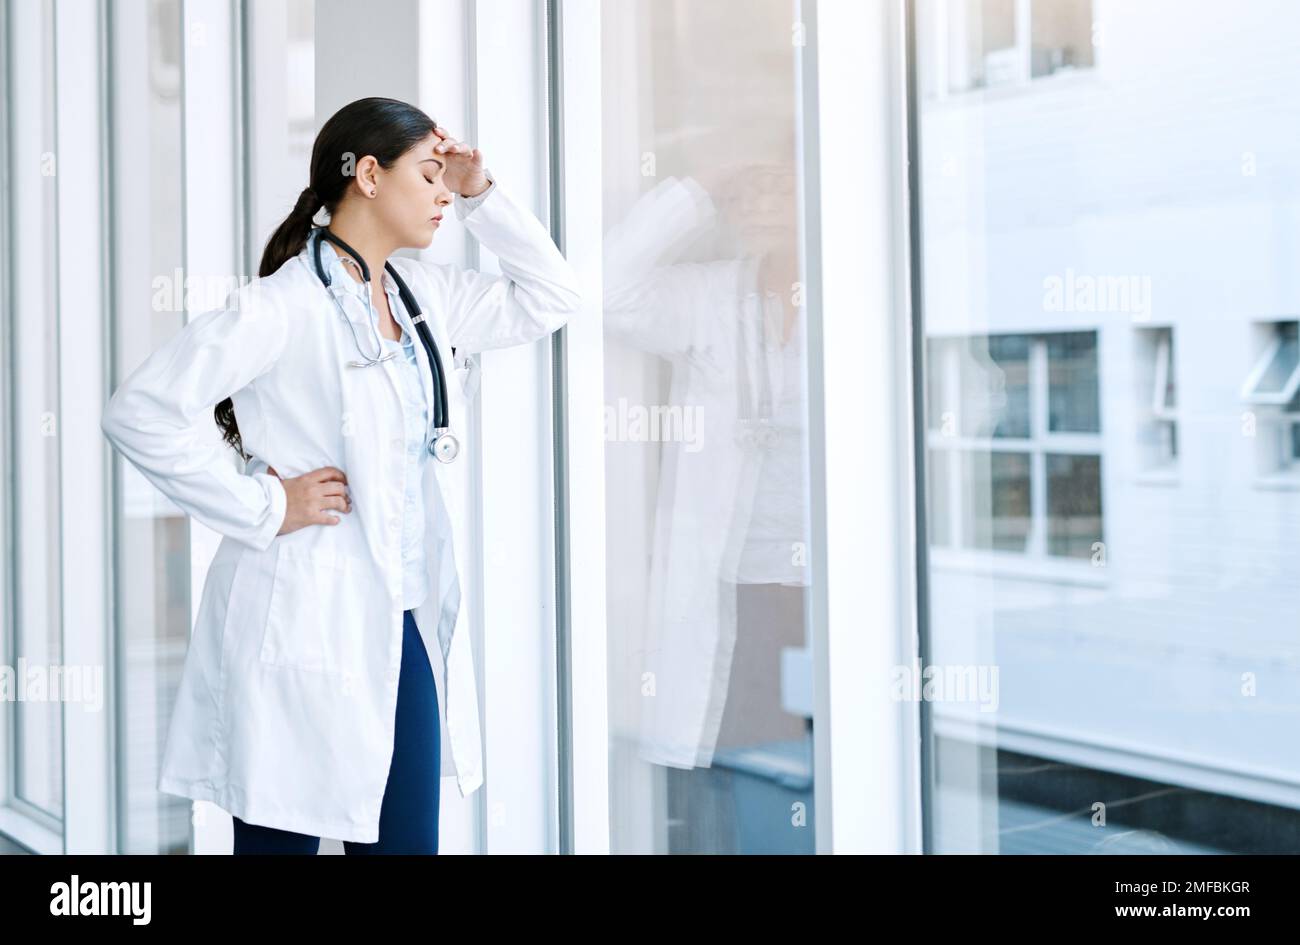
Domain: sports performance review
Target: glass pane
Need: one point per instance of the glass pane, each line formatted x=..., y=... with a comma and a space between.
x=1283, y=363
x=937, y=473
x=1073, y=505
x=152, y=570
x=710, y=681
x=1171, y=382
x=997, y=500
x=1144, y=631
x=1010, y=382
x=37, y=760
x=1073, y=405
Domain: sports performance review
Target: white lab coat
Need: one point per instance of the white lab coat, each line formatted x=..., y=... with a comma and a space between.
x=285, y=711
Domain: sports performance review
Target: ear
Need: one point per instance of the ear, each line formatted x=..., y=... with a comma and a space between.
x=367, y=175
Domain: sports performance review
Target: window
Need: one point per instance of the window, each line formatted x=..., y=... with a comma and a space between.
x=1273, y=387
x=151, y=536
x=34, y=731
x=1012, y=418
x=1156, y=392
x=711, y=690
x=1133, y=712
x=1275, y=378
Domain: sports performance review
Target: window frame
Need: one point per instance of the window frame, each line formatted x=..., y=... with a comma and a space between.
x=1159, y=411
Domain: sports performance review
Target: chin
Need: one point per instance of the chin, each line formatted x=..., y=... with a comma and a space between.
x=420, y=239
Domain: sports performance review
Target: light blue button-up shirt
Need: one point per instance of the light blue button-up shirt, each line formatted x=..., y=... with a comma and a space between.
x=415, y=415
x=415, y=412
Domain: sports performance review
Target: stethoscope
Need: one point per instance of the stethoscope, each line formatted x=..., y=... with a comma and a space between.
x=444, y=446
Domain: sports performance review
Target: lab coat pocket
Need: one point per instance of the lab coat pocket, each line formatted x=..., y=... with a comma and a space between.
x=467, y=375
x=315, y=621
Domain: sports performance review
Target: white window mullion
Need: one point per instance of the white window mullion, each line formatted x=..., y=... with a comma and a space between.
x=519, y=723
x=580, y=208
x=862, y=488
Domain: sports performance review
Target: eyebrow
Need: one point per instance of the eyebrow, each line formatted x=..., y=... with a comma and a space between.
x=435, y=161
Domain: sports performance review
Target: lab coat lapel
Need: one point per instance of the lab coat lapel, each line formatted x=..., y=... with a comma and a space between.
x=371, y=405
x=404, y=318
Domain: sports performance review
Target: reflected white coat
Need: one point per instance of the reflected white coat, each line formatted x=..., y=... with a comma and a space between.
x=285, y=711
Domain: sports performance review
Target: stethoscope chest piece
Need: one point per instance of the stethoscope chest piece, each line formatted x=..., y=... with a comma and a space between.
x=444, y=446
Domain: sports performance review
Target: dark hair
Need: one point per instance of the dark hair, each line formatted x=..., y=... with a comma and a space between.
x=381, y=127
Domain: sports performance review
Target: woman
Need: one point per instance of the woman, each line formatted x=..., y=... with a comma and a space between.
x=308, y=705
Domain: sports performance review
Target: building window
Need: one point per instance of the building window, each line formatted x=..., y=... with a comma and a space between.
x=1157, y=400
x=1275, y=378
x=1014, y=429
x=1273, y=388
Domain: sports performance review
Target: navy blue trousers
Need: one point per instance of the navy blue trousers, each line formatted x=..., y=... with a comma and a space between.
x=408, y=818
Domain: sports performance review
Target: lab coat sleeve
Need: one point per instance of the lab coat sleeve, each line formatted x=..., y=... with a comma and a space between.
x=649, y=303
x=160, y=417
x=536, y=292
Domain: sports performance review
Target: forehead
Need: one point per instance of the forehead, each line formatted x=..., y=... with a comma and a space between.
x=424, y=155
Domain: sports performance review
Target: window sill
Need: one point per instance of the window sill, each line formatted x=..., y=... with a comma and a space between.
x=25, y=831
x=1019, y=567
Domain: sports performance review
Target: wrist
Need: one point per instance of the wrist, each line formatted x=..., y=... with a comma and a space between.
x=480, y=190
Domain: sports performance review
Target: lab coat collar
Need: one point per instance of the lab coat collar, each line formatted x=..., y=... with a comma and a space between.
x=342, y=277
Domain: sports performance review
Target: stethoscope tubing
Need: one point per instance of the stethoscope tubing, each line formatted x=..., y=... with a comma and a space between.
x=412, y=308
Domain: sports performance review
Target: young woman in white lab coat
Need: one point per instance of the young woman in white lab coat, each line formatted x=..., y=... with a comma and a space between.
x=331, y=619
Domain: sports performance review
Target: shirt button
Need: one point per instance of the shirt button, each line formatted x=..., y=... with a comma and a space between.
x=395, y=524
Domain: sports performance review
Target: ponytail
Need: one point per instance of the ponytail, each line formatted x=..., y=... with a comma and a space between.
x=286, y=242
x=291, y=235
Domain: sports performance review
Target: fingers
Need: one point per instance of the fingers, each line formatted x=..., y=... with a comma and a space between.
x=449, y=144
x=325, y=514
x=328, y=474
x=340, y=502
